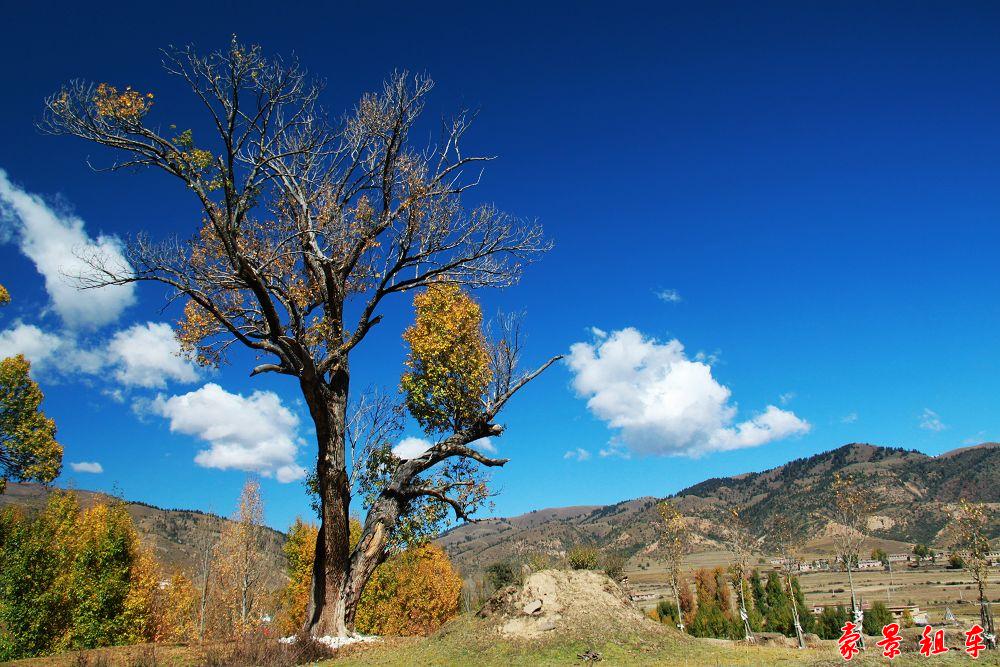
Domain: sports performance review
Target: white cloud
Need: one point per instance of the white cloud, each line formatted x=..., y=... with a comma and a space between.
x=578, y=454
x=484, y=445
x=662, y=402
x=147, y=355
x=787, y=397
x=849, y=418
x=87, y=466
x=669, y=295
x=54, y=241
x=144, y=355
x=49, y=352
x=255, y=433
x=411, y=448
x=931, y=421
x=614, y=449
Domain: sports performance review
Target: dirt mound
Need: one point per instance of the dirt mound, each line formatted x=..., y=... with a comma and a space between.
x=564, y=601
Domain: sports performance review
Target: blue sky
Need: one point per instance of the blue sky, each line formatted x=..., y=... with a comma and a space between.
x=804, y=195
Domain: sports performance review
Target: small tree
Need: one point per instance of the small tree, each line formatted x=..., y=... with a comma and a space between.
x=786, y=541
x=28, y=447
x=674, y=543
x=921, y=552
x=741, y=543
x=850, y=509
x=881, y=556
x=299, y=550
x=971, y=528
x=502, y=574
x=877, y=617
x=240, y=558
x=176, y=610
x=412, y=593
x=614, y=565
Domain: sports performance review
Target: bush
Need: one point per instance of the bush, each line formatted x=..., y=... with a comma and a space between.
x=614, y=566
x=582, y=558
x=412, y=593
x=956, y=562
x=830, y=622
x=876, y=618
x=502, y=574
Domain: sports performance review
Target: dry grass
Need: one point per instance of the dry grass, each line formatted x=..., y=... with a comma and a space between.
x=256, y=650
x=468, y=641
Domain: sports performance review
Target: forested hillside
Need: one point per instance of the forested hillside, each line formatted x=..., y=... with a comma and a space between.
x=915, y=494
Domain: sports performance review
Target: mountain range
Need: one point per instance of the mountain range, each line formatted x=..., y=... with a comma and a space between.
x=915, y=495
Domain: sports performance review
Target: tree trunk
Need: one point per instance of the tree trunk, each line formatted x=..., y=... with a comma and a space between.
x=855, y=609
x=339, y=574
x=677, y=601
x=206, y=566
x=747, y=631
x=327, y=614
x=795, y=611
x=986, y=617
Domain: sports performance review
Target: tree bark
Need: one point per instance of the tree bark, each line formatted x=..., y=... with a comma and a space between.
x=795, y=612
x=677, y=601
x=327, y=402
x=854, y=602
x=986, y=617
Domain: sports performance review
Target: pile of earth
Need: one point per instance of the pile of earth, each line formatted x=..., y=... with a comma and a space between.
x=565, y=601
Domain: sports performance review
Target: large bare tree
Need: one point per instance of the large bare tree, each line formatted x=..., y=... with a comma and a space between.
x=308, y=227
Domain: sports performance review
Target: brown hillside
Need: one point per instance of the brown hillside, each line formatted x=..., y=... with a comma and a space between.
x=917, y=493
x=173, y=535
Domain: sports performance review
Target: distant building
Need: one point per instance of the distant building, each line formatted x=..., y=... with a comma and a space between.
x=870, y=565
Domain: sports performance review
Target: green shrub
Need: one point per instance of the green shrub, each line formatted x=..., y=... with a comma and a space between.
x=503, y=574
x=830, y=622
x=582, y=558
x=876, y=618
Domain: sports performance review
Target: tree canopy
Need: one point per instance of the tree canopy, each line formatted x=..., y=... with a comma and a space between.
x=28, y=447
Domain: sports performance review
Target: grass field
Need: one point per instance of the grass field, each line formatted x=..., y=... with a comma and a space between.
x=469, y=641
x=464, y=642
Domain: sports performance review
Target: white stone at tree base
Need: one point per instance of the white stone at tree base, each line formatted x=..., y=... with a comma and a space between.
x=335, y=642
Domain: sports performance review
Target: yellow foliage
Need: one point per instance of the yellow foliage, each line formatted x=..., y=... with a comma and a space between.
x=412, y=593
x=125, y=105
x=4, y=296
x=176, y=611
x=239, y=567
x=449, y=361
x=300, y=550
x=28, y=448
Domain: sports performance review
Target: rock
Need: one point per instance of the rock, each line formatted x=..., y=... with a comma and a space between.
x=546, y=624
x=533, y=607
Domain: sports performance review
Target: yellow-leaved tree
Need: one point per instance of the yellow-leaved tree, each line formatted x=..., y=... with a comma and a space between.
x=239, y=570
x=449, y=361
x=28, y=447
x=412, y=593
x=176, y=610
